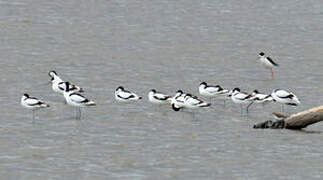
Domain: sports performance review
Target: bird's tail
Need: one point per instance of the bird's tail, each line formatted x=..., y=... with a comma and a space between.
x=205, y=104
x=91, y=103
x=44, y=105
x=297, y=101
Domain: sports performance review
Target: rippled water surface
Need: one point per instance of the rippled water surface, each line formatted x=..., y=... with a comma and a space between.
x=166, y=45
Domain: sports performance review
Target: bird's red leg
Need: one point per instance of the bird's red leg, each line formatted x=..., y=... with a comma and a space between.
x=272, y=73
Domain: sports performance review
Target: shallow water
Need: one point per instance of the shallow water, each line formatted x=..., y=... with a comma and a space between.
x=166, y=45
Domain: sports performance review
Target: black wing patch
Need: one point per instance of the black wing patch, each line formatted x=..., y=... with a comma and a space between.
x=131, y=96
x=288, y=97
x=85, y=99
x=272, y=62
x=162, y=99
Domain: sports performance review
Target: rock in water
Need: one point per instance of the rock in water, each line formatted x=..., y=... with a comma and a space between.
x=295, y=121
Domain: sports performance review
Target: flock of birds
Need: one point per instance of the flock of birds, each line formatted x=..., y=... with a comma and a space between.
x=73, y=97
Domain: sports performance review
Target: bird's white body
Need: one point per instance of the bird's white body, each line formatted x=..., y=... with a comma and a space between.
x=158, y=97
x=58, y=85
x=240, y=97
x=285, y=97
x=265, y=62
x=178, y=100
x=55, y=85
x=261, y=98
x=77, y=100
x=193, y=102
x=211, y=91
x=125, y=96
x=183, y=100
x=32, y=103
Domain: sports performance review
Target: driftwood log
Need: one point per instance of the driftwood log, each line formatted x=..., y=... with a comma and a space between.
x=295, y=121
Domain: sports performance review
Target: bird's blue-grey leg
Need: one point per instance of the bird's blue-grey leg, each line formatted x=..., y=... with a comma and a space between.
x=249, y=106
x=77, y=113
x=33, y=116
x=241, y=111
x=282, y=109
x=80, y=112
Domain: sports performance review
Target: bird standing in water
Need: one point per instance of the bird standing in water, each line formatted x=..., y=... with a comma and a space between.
x=268, y=63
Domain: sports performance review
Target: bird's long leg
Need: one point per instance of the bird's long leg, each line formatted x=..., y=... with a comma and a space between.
x=33, y=116
x=76, y=114
x=80, y=113
x=241, y=111
x=249, y=106
x=193, y=115
x=272, y=73
x=282, y=109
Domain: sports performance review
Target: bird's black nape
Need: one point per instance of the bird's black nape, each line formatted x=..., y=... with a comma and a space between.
x=52, y=72
x=120, y=87
x=180, y=91
x=67, y=86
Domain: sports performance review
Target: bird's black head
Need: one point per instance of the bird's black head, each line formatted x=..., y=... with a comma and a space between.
x=256, y=91
x=52, y=73
x=261, y=54
x=236, y=89
x=203, y=83
x=180, y=91
x=153, y=90
x=26, y=95
x=120, y=87
x=175, y=108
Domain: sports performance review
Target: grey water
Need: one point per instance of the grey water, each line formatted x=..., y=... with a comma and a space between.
x=167, y=45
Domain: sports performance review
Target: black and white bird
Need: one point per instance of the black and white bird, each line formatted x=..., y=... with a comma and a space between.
x=158, y=97
x=268, y=63
x=58, y=85
x=193, y=102
x=125, y=96
x=285, y=97
x=211, y=91
x=32, y=103
x=260, y=98
x=188, y=101
x=76, y=99
x=177, y=101
x=241, y=98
